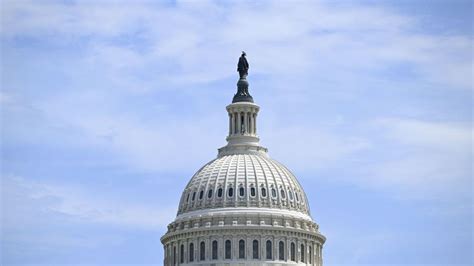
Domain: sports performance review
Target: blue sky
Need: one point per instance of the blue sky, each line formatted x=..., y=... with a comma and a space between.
x=108, y=108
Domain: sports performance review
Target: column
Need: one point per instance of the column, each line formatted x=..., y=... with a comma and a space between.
x=230, y=124
x=246, y=123
x=255, y=123
x=321, y=255
x=238, y=123
x=251, y=124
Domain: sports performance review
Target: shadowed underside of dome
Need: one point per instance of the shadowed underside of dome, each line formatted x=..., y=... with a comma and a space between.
x=243, y=180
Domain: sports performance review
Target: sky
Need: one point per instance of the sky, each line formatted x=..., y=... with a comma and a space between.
x=109, y=107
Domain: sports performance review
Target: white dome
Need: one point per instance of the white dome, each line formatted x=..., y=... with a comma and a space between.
x=243, y=180
x=243, y=208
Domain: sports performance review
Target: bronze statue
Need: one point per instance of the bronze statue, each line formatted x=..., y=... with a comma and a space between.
x=242, y=94
x=243, y=66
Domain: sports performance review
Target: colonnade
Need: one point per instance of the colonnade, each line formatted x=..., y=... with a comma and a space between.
x=242, y=123
x=178, y=253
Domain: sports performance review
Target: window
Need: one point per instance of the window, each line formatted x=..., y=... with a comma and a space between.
x=202, y=255
x=231, y=192
x=269, y=250
x=201, y=194
x=282, y=192
x=310, y=257
x=191, y=252
x=181, y=254
x=255, y=249
x=302, y=253
x=264, y=192
x=228, y=249
x=291, y=194
x=174, y=255
x=274, y=193
x=241, y=191
x=187, y=198
x=214, y=250
x=281, y=250
x=219, y=192
x=194, y=195
x=296, y=195
x=209, y=194
x=242, y=249
x=292, y=252
x=252, y=191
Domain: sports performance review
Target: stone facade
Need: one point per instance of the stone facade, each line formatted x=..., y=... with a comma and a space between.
x=243, y=208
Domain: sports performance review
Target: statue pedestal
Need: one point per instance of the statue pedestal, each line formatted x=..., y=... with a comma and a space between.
x=242, y=94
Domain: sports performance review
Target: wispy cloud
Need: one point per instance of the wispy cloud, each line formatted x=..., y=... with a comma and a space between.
x=75, y=205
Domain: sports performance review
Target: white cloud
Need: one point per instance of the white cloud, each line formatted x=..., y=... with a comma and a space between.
x=442, y=136
x=26, y=202
x=423, y=158
x=309, y=148
x=281, y=38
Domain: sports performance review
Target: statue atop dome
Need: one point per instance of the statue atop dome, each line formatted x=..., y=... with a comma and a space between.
x=243, y=66
x=243, y=94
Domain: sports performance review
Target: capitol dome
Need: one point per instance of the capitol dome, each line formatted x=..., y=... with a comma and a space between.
x=244, y=180
x=243, y=208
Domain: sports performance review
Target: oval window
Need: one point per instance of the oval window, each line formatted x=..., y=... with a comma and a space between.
x=209, y=194
x=231, y=192
x=201, y=194
x=219, y=192
x=194, y=195
x=282, y=192
x=241, y=191
x=264, y=192
x=252, y=191
x=274, y=193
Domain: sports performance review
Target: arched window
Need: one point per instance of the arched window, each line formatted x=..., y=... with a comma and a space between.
x=231, y=192
x=310, y=257
x=228, y=249
x=242, y=249
x=201, y=194
x=252, y=191
x=214, y=250
x=202, y=251
x=194, y=195
x=282, y=192
x=293, y=252
x=219, y=192
x=274, y=193
x=209, y=194
x=174, y=255
x=269, y=250
x=291, y=194
x=181, y=254
x=255, y=249
x=281, y=250
x=302, y=253
x=241, y=191
x=296, y=195
x=264, y=192
x=191, y=252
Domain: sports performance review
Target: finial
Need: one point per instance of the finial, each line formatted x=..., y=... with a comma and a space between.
x=243, y=94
